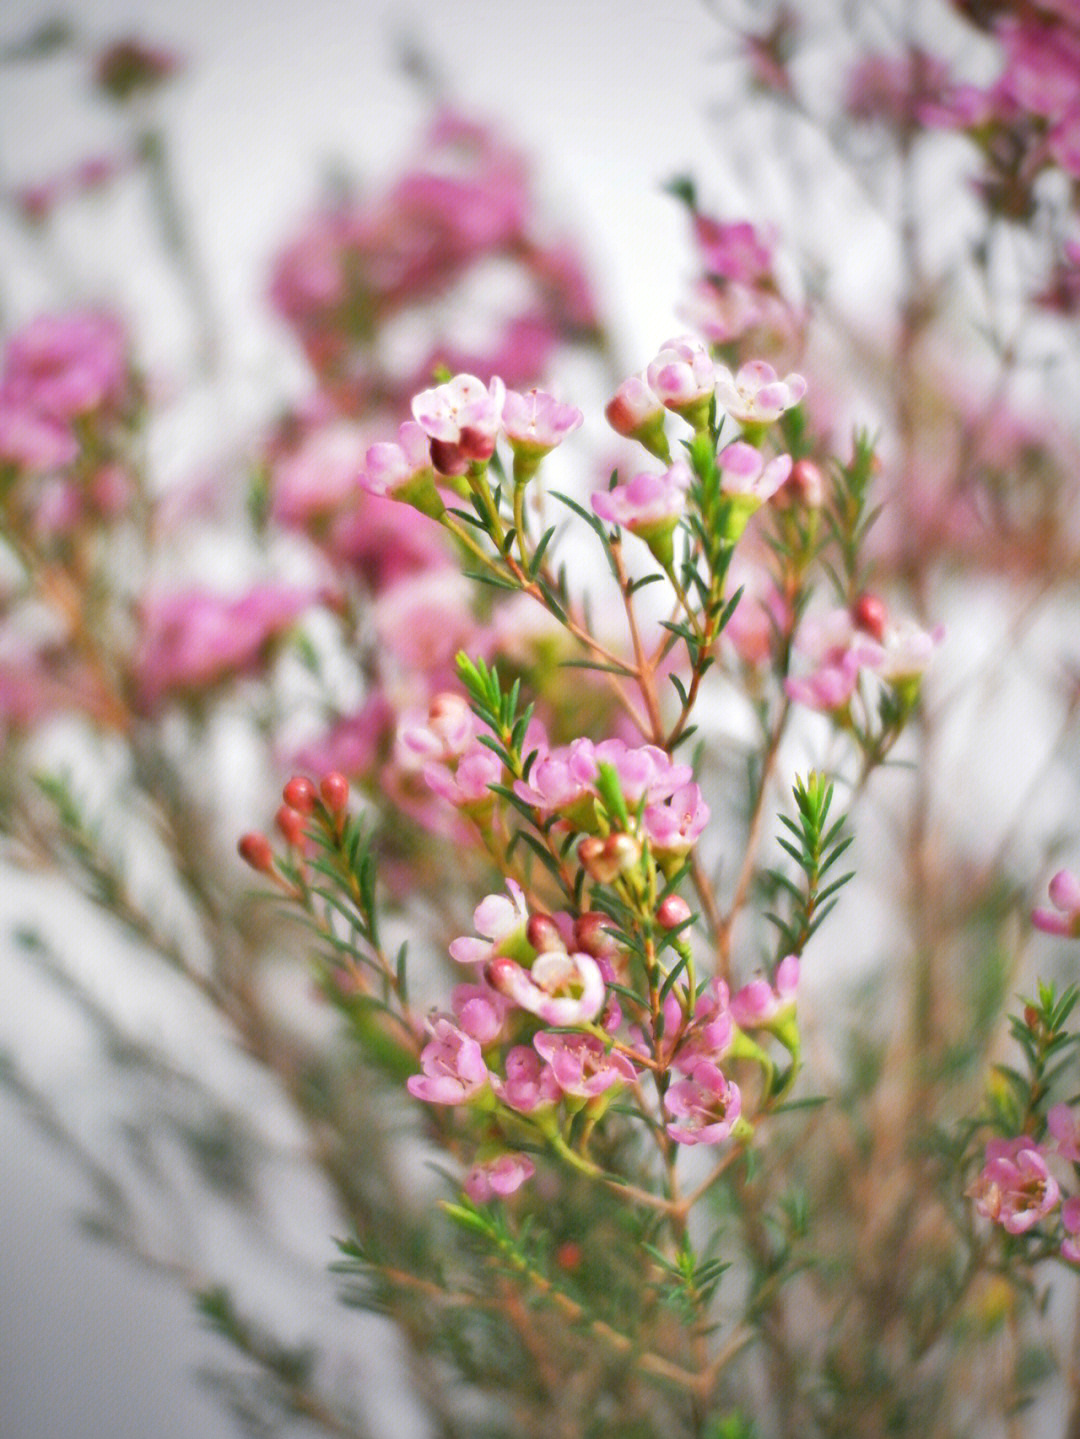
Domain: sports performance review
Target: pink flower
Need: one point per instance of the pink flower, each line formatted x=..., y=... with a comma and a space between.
x=500, y=920
x=30, y=441
x=744, y=472
x=710, y=1031
x=191, y=639
x=704, y=1106
x=554, y=784
x=445, y=733
x=529, y=1084
x=1065, y=897
x=403, y=471
x=683, y=377
x=66, y=366
x=673, y=828
x=755, y=396
x=462, y=418
x=320, y=475
x=645, y=772
x=758, y=1005
x=1064, y=1124
x=453, y=1066
x=499, y=1177
x=582, y=1064
x=536, y=422
x=560, y=988
x=480, y=1011
x=1015, y=1188
x=649, y=505
x=734, y=251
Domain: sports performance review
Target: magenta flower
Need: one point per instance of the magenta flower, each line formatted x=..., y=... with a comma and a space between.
x=582, y=1064
x=498, y=1177
x=403, y=471
x=32, y=442
x=192, y=639
x=734, y=251
x=554, y=785
x=1015, y=1188
x=560, y=988
x=463, y=419
x=755, y=395
x=673, y=828
x=1065, y=897
x=535, y=423
x=63, y=367
x=683, y=377
x=467, y=783
x=453, y=1066
x=704, y=1106
x=649, y=506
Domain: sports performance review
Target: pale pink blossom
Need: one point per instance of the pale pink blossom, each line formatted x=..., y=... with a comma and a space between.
x=1015, y=1188
x=320, y=475
x=704, y=1106
x=500, y=921
x=744, y=471
x=648, y=505
x=499, y=1177
x=535, y=422
x=468, y=783
x=66, y=366
x=582, y=1064
x=453, y=1066
x=560, y=988
x=1064, y=1124
x=401, y=471
x=1064, y=918
x=735, y=250
x=755, y=395
x=710, y=1031
x=645, y=772
x=462, y=419
x=682, y=377
x=32, y=442
x=635, y=412
x=444, y=733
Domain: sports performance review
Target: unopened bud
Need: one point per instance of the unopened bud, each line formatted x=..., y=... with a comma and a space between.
x=299, y=794
x=448, y=705
x=255, y=849
x=499, y=974
x=1031, y=1017
x=543, y=934
x=870, y=614
x=807, y=484
x=592, y=934
x=334, y=788
x=672, y=911
x=291, y=824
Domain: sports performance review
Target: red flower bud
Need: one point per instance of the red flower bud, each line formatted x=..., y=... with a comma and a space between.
x=672, y=912
x=291, y=824
x=870, y=614
x=334, y=788
x=543, y=934
x=592, y=934
x=255, y=849
x=299, y=794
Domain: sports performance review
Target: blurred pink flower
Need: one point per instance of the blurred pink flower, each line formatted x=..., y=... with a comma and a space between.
x=498, y=1177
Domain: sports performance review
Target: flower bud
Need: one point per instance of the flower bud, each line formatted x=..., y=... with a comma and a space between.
x=290, y=823
x=672, y=912
x=334, y=788
x=299, y=794
x=870, y=614
x=592, y=934
x=807, y=484
x=255, y=850
x=543, y=934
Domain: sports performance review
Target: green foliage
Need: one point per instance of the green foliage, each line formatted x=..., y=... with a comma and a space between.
x=815, y=846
